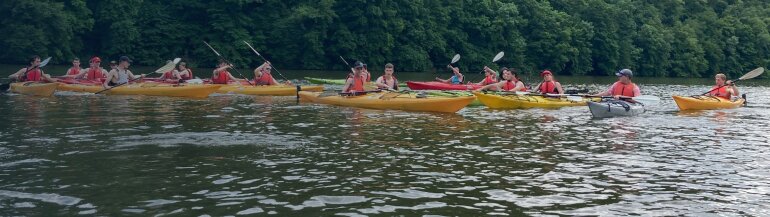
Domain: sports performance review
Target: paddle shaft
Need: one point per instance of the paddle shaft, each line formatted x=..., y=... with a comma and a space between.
x=720, y=86
x=263, y=58
x=132, y=80
x=228, y=63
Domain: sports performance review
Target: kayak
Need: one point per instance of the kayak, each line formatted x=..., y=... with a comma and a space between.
x=325, y=81
x=392, y=101
x=273, y=90
x=706, y=102
x=34, y=88
x=614, y=108
x=191, y=91
x=513, y=101
x=454, y=93
x=435, y=85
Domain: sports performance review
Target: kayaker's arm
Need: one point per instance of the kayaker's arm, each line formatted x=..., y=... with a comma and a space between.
x=47, y=77
x=110, y=76
x=558, y=87
x=348, y=84
x=519, y=86
x=497, y=86
x=15, y=76
x=733, y=88
x=442, y=80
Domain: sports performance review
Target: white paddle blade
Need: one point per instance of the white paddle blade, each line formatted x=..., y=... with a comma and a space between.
x=168, y=67
x=177, y=60
x=647, y=99
x=752, y=74
x=455, y=58
x=521, y=93
x=44, y=62
x=575, y=98
x=498, y=56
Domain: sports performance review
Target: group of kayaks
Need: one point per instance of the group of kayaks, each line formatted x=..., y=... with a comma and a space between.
x=424, y=96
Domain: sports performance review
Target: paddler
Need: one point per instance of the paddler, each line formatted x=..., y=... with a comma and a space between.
x=180, y=73
x=489, y=78
x=113, y=65
x=510, y=82
x=387, y=80
x=32, y=72
x=623, y=88
x=355, y=83
x=262, y=75
x=120, y=75
x=457, y=78
x=366, y=74
x=75, y=69
x=94, y=72
x=549, y=85
x=724, y=88
x=221, y=75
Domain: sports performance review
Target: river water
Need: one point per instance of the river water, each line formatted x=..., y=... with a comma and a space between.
x=81, y=154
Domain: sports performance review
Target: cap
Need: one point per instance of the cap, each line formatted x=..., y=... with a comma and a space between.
x=113, y=62
x=96, y=60
x=545, y=72
x=625, y=72
x=358, y=64
x=125, y=58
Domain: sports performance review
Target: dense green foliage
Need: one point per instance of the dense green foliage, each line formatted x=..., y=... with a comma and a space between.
x=570, y=37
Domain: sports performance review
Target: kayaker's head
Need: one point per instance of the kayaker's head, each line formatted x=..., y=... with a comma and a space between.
x=113, y=64
x=222, y=63
x=358, y=67
x=389, y=69
x=124, y=62
x=455, y=70
x=95, y=62
x=76, y=62
x=34, y=61
x=507, y=75
x=547, y=75
x=720, y=79
x=624, y=76
x=181, y=66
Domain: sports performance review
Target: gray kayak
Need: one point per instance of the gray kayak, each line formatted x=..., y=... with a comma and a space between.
x=614, y=108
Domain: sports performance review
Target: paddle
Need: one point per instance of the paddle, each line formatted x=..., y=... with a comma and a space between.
x=228, y=62
x=5, y=87
x=497, y=57
x=263, y=58
x=169, y=66
x=644, y=99
x=752, y=74
x=161, y=69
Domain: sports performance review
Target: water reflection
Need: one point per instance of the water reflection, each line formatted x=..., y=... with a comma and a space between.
x=241, y=155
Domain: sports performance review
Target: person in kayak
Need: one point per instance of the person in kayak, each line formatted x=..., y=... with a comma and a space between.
x=457, y=78
x=32, y=72
x=724, y=88
x=262, y=75
x=94, y=72
x=387, y=81
x=221, y=75
x=180, y=73
x=489, y=78
x=623, y=88
x=510, y=82
x=121, y=74
x=355, y=83
x=113, y=65
x=549, y=84
x=75, y=69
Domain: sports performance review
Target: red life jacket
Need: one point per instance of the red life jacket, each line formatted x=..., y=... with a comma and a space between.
x=168, y=75
x=720, y=92
x=222, y=77
x=395, y=82
x=73, y=71
x=265, y=79
x=94, y=74
x=34, y=75
x=358, y=85
x=623, y=89
x=548, y=87
x=489, y=80
x=188, y=75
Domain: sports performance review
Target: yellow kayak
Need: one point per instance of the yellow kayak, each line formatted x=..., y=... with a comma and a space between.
x=394, y=101
x=34, y=88
x=272, y=90
x=513, y=101
x=706, y=102
x=150, y=89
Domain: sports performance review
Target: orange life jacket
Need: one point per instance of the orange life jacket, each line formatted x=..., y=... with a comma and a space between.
x=222, y=77
x=34, y=75
x=548, y=87
x=489, y=80
x=358, y=85
x=188, y=75
x=94, y=74
x=720, y=92
x=395, y=82
x=73, y=71
x=265, y=79
x=623, y=89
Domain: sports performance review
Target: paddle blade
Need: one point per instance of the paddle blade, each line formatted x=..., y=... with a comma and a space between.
x=647, y=99
x=177, y=60
x=498, y=56
x=575, y=98
x=168, y=67
x=44, y=62
x=752, y=74
x=455, y=58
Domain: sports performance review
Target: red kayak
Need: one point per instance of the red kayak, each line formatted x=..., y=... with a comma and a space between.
x=435, y=85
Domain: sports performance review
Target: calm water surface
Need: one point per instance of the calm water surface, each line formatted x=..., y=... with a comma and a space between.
x=237, y=155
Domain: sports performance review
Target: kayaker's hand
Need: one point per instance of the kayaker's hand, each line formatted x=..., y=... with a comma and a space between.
x=288, y=82
x=729, y=83
x=617, y=97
